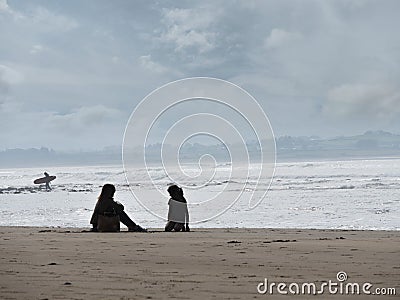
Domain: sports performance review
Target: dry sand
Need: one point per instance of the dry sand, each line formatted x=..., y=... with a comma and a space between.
x=46, y=263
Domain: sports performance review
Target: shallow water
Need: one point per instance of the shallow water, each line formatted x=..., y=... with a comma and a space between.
x=359, y=194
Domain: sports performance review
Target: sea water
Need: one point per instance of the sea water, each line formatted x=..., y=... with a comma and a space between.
x=354, y=194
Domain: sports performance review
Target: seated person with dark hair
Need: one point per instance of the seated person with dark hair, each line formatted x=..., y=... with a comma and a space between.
x=178, y=214
x=106, y=206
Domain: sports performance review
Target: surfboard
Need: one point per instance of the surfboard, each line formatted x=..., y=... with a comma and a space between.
x=44, y=179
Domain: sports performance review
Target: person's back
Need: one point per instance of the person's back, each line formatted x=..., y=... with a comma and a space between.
x=108, y=205
x=178, y=213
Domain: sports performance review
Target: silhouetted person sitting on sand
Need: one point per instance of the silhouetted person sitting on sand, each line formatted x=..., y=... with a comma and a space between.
x=48, y=188
x=178, y=214
x=106, y=206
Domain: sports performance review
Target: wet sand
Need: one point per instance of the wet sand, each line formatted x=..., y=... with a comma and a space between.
x=60, y=263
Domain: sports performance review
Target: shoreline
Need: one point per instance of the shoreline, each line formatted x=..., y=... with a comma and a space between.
x=200, y=229
x=279, y=160
x=223, y=263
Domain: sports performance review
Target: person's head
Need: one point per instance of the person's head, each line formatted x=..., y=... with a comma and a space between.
x=107, y=191
x=175, y=191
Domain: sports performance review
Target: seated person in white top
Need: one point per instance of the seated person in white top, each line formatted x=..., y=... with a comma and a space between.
x=178, y=214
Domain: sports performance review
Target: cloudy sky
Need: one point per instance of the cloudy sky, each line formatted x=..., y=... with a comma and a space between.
x=71, y=72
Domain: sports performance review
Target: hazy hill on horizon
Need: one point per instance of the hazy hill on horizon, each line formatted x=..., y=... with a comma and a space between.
x=371, y=144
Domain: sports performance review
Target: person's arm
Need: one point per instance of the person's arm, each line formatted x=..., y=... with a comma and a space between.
x=187, y=218
x=169, y=210
x=118, y=207
x=93, y=219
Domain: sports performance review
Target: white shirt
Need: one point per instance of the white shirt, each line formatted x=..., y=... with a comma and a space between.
x=178, y=211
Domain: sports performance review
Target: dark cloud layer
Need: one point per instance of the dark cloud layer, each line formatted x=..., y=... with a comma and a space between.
x=71, y=72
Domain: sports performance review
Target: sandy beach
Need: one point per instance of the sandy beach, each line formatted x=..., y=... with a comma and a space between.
x=60, y=263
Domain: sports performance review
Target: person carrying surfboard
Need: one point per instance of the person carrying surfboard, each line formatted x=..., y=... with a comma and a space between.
x=46, y=180
x=48, y=187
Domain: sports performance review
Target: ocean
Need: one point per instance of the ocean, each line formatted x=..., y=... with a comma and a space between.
x=353, y=194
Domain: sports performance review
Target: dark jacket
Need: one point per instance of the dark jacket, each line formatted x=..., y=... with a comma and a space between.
x=108, y=206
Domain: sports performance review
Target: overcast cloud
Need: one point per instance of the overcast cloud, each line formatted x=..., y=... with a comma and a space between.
x=71, y=72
